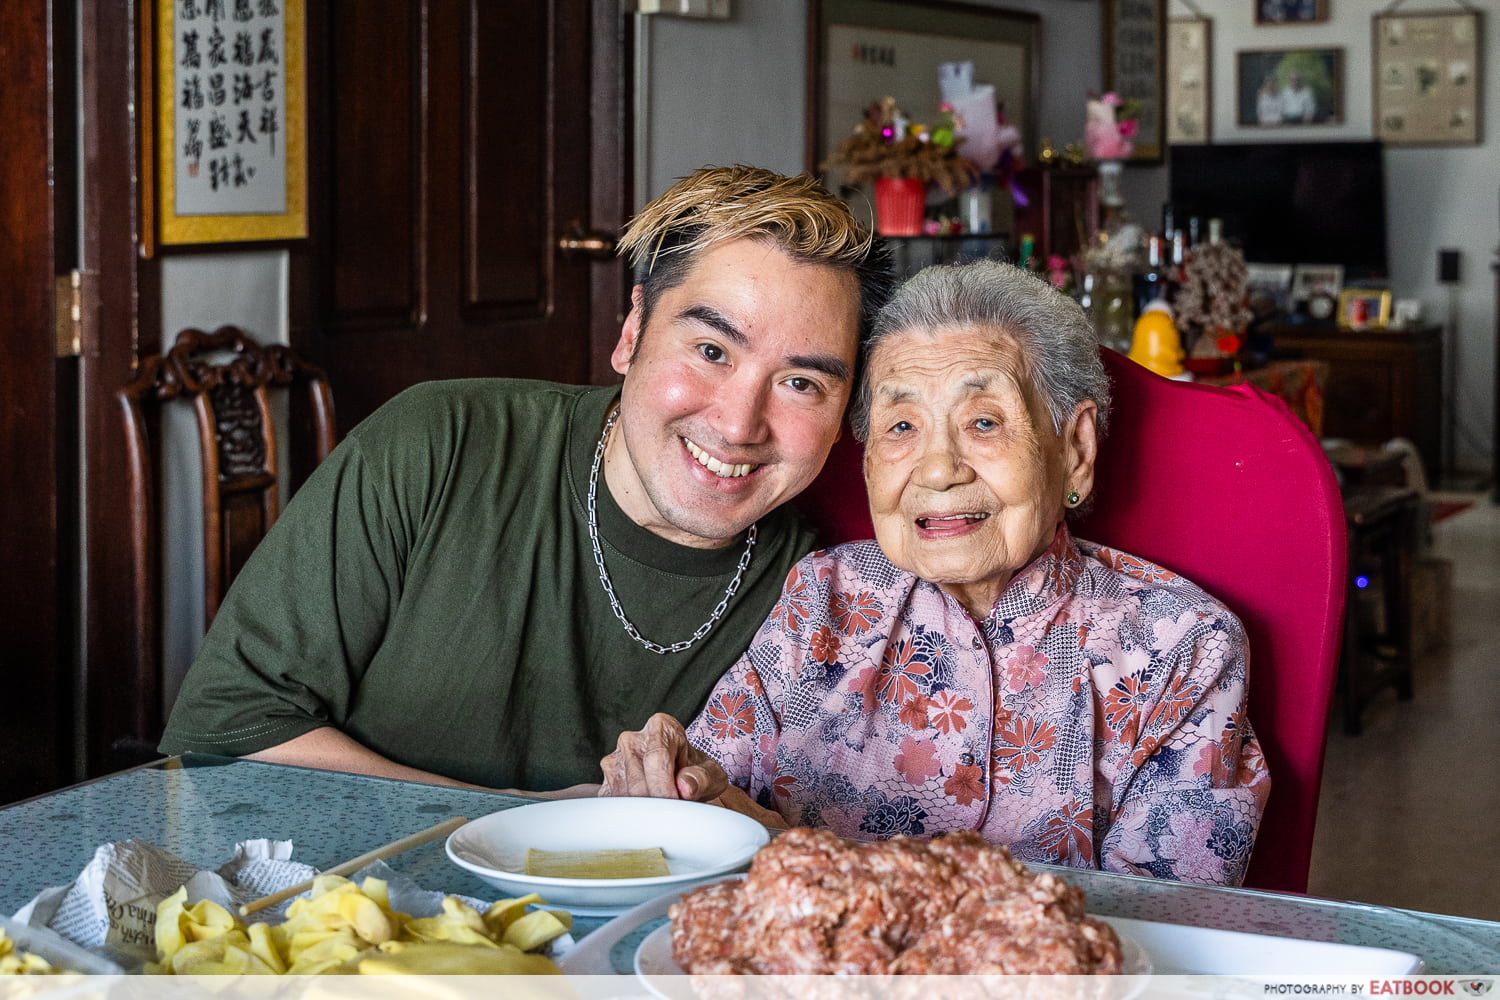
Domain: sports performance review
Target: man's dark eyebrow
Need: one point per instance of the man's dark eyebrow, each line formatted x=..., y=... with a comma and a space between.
x=833, y=367
x=709, y=316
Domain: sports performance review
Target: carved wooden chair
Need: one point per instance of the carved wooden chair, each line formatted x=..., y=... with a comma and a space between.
x=227, y=378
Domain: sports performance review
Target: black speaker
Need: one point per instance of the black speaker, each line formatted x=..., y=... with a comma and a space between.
x=1448, y=266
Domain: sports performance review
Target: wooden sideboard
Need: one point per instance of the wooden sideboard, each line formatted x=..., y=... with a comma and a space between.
x=1382, y=384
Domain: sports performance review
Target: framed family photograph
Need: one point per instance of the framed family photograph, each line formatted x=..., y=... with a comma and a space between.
x=1289, y=87
x=1189, y=103
x=1427, y=78
x=1290, y=11
x=1363, y=307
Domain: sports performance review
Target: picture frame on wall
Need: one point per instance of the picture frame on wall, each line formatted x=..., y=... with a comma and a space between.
x=1281, y=88
x=1189, y=101
x=1427, y=70
x=228, y=130
x=865, y=50
x=1290, y=11
x=1135, y=67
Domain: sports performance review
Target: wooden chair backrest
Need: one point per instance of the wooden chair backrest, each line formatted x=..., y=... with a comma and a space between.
x=227, y=378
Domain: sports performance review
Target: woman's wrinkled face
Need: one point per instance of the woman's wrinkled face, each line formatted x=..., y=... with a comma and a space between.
x=966, y=475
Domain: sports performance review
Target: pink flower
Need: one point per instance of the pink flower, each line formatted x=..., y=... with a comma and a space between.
x=917, y=761
x=1112, y=99
x=1024, y=668
x=1127, y=128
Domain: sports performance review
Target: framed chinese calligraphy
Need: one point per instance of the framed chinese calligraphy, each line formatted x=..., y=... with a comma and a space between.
x=1189, y=79
x=229, y=142
x=1427, y=84
x=1135, y=66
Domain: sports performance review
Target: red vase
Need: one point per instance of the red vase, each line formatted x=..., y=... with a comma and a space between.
x=900, y=205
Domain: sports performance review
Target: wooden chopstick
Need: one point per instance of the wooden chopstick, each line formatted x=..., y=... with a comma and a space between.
x=395, y=847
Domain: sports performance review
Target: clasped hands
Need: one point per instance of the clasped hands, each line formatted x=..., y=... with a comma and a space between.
x=657, y=761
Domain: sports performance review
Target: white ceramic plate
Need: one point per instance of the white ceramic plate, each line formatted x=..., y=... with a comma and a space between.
x=699, y=841
x=1176, y=949
x=654, y=956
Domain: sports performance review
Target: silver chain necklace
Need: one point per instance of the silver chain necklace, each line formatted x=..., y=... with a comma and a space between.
x=609, y=589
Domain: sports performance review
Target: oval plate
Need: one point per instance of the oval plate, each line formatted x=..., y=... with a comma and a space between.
x=699, y=842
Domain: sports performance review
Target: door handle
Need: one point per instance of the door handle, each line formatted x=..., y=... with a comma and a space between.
x=580, y=242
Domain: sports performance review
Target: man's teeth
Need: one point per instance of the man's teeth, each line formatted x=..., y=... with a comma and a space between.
x=925, y=522
x=721, y=469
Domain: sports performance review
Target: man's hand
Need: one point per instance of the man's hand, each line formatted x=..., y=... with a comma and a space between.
x=659, y=762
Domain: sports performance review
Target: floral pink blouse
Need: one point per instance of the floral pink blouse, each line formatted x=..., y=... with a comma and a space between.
x=1095, y=719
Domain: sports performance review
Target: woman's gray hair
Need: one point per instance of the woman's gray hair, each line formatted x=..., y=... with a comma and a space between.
x=1057, y=341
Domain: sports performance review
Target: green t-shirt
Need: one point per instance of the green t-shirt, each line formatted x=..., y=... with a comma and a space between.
x=431, y=591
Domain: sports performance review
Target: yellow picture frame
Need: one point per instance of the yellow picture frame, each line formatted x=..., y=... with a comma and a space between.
x=1360, y=308
x=277, y=208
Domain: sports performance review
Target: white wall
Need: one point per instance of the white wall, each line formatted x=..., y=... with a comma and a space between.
x=719, y=92
x=727, y=91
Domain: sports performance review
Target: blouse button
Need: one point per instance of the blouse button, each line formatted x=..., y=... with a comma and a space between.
x=966, y=759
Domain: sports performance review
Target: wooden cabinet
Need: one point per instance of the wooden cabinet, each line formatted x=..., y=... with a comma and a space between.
x=1382, y=384
x=1062, y=209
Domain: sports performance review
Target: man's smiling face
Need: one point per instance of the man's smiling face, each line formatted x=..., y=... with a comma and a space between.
x=734, y=394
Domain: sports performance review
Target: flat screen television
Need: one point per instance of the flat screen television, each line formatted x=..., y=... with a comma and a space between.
x=1289, y=202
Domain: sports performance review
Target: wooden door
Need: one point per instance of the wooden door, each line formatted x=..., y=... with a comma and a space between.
x=35, y=481
x=452, y=143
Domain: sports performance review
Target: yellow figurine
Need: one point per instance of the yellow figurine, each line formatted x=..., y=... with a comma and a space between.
x=1156, y=344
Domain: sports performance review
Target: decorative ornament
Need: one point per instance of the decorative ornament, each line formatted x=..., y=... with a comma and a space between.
x=1156, y=343
x=1213, y=299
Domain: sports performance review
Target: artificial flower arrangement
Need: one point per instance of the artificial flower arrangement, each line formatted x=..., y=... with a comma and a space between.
x=1110, y=125
x=1212, y=302
x=886, y=144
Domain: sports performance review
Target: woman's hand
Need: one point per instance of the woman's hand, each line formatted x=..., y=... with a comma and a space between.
x=659, y=762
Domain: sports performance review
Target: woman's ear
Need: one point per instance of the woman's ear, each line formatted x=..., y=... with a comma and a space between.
x=1080, y=448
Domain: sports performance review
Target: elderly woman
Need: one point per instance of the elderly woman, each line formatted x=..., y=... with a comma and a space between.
x=976, y=666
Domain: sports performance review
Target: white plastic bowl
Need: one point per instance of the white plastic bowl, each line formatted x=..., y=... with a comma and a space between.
x=699, y=842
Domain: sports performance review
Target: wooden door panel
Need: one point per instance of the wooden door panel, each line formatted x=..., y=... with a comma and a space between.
x=36, y=718
x=370, y=182
x=506, y=102
x=452, y=143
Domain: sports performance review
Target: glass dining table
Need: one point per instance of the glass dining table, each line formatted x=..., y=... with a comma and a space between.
x=199, y=807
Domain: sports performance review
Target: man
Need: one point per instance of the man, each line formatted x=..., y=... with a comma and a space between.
x=1268, y=102
x=489, y=579
x=1298, y=104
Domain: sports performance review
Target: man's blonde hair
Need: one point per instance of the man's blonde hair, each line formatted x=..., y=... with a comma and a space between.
x=715, y=205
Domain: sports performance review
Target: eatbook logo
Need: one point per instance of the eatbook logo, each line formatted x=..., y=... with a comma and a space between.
x=1477, y=987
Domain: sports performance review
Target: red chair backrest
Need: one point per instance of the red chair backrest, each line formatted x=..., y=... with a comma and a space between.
x=1228, y=488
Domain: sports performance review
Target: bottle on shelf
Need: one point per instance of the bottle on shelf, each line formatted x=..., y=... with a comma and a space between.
x=1026, y=259
x=1151, y=282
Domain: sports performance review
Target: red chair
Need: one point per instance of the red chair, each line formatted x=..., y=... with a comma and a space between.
x=1227, y=487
